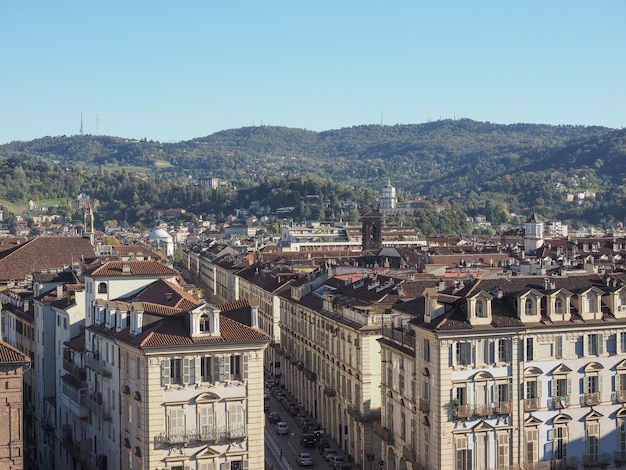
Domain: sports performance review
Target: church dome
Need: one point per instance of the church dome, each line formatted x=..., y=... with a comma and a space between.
x=159, y=234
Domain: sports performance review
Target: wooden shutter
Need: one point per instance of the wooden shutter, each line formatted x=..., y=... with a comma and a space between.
x=165, y=372
x=244, y=366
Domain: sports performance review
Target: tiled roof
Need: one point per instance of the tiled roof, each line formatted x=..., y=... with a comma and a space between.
x=165, y=294
x=132, y=268
x=77, y=343
x=8, y=354
x=43, y=253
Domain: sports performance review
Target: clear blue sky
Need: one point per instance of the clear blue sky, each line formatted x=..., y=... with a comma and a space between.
x=175, y=70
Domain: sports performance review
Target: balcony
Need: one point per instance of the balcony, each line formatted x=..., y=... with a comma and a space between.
x=309, y=374
x=79, y=450
x=559, y=403
x=532, y=404
x=385, y=433
x=620, y=458
x=204, y=434
x=94, y=403
x=424, y=405
x=504, y=407
x=462, y=411
x=330, y=392
x=620, y=396
x=94, y=363
x=591, y=399
x=408, y=452
x=483, y=409
x=78, y=372
x=596, y=461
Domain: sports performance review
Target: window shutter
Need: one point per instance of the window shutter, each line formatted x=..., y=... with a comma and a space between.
x=509, y=392
x=569, y=387
x=165, y=372
x=197, y=371
x=585, y=387
x=618, y=343
x=186, y=370
x=491, y=351
x=452, y=353
x=496, y=393
x=509, y=350
x=600, y=344
x=217, y=370
x=244, y=367
x=558, y=347
x=472, y=353
x=599, y=383
x=245, y=465
x=539, y=395
x=226, y=368
x=550, y=436
x=418, y=348
x=585, y=347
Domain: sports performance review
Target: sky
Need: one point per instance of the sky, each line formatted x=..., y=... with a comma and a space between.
x=176, y=70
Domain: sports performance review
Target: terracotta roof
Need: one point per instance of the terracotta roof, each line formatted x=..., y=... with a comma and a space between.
x=164, y=294
x=43, y=253
x=77, y=343
x=8, y=354
x=132, y=268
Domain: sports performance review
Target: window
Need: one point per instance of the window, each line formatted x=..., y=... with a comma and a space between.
x=559, y=442
x=594, y=344
x=591, y=304
x=236, y=422
x=528, y=307
x=426, y=350
x=206, y=369
x=463, y=454
x=559, y=306
x=177, y=371
x=530, y=350
x=480, y=309
x=621, y=342
x=504, y=454
x=463, y=353
x=205, y=323
x=239, y=367
x=206, y=421
x=481, y=445
x=592, y=432
x=621, y=429
x=176, y=422
x=558, y=347
x=504, y=350
x=102, y=288
x=532, y=446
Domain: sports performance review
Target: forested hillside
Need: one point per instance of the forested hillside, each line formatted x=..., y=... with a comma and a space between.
x=473, y=167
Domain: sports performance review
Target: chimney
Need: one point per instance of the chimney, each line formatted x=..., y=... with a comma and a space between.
x=59, y=291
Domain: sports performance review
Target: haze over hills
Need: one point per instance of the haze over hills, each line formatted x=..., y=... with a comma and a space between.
x=526, y=166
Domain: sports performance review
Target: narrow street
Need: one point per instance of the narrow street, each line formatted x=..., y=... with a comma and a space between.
x=281, y=450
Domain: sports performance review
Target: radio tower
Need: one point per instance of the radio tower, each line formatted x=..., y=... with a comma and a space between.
x=81, y=123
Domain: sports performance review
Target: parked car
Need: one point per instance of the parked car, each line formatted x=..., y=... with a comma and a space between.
x=274, y=417
x=305, y=459
x=282, y=428
x=307, y=440
x=328, y=453
x=337, y=461
x=322, y=444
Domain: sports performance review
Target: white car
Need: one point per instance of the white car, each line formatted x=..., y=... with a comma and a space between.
x=282, y=428
x=305, y=459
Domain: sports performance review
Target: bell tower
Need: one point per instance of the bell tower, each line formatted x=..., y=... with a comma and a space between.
x=371, y=231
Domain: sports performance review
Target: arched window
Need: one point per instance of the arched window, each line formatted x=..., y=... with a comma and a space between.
x=205, y=323
x=102, y=288
x=480, y=309
x=558, y=305
x=591, y=304
x=528, y=307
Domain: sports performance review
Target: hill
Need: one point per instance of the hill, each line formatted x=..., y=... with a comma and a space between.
x=470, y=163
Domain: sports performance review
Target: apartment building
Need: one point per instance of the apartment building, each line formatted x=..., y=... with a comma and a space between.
x=12, y=366
x=521, y=372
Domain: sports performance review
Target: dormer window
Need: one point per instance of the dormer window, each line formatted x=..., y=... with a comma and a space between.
x=480, y=309
x=528, y=307
x=591, y=304
x=558, y=306
x=205, y=323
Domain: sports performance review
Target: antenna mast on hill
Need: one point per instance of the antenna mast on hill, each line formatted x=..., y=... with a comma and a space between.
x=97, y=123
x=81, y=123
